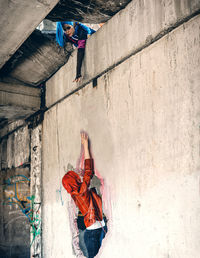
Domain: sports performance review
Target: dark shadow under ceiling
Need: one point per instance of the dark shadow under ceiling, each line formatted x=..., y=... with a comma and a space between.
x=87, y=11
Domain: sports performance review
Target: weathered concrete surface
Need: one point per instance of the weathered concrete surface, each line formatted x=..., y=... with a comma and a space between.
x=19, y=95
x=130, y=30
x=3, y=154
x=18, y=149
x=20, y=189
x=36, y=169
x=143, y=122
x=15, y=225
x=10, y=128
x=18, y=19
x=86, y=11
x=37, y=59
x=14, y=145
x=18, y=101
x=4, y=151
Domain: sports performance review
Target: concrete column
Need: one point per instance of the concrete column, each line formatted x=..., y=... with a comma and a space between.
x=36, y=199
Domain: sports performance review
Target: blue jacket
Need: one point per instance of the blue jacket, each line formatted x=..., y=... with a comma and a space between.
x=81, y=32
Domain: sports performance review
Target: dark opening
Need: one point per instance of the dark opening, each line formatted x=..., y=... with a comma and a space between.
x=94, y=82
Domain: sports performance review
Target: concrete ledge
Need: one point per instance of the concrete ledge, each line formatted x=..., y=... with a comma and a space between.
x=19, y=89
x=7, y=98
x=18, y=101
x=132, y=29
x=37, y=59
x=19, y=95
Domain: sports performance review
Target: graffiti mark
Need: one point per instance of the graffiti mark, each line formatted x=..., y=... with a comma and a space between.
x=16, y=179
x=35, y=255
x=27, y=205
x=35, y=221
x=15, y=196
x=35, y=148
x=59, y=193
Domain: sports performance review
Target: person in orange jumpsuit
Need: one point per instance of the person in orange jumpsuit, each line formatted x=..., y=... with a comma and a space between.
x=88, y=202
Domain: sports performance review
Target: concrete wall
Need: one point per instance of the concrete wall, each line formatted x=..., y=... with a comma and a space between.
x=20, y=186
x=143, y=122
x=15, y=193
x=14, y=190
x=128, y=32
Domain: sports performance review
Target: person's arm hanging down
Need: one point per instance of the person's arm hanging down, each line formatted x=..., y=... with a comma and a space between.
x=84, y=33
x=80, y=56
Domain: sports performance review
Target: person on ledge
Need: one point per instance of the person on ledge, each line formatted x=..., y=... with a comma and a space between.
x=77, y=34
x=88, y=202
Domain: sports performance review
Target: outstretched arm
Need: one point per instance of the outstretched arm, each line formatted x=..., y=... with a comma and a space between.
x=84, y=142
x=88, y=164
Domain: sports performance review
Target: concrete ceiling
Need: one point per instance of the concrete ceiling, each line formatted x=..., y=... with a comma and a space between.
x=29, y=57
x=88, y=11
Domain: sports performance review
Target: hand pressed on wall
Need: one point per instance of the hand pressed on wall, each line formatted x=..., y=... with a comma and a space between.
x=84, y=142
x=78, y=79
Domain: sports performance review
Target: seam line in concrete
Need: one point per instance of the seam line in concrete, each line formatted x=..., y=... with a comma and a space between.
x=18, y=93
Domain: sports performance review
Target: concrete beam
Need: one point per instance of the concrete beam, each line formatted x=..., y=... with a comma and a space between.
x=18, y=20
x=18, y=101
x=37, y=59
x=137, y=26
